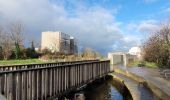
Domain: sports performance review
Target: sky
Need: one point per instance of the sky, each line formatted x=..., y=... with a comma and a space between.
x=103, y=25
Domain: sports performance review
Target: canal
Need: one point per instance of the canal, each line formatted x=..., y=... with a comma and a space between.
x=103, y=89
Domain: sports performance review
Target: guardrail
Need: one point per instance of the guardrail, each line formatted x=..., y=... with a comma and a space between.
x=165, y=73
x=27, y=66
x=46, y=82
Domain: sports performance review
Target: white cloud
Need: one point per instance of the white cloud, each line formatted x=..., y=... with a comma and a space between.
x=126, y=43
x=148, y=26
x=138, y=32
x=145, y=26
x=94, y=27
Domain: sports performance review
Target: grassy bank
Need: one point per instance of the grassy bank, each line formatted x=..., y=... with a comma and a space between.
x=147, y=64
x=18, y=62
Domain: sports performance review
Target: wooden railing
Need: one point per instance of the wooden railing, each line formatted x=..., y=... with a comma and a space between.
x=27, y=66
x=45, y=82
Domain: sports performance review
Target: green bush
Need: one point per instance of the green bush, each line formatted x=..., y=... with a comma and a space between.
x=29, y=53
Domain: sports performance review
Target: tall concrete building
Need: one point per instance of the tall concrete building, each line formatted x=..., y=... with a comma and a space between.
x=57, y=42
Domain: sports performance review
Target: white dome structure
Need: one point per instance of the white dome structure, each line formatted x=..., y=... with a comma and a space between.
x=135, y=51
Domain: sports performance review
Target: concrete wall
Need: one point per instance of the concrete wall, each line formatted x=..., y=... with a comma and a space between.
x=110, y=56
x=128, y=58
x=50, y=40
x=115, y=58
x=56, y=42
x=121, y=58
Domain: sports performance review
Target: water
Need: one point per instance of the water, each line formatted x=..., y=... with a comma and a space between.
x=104, y=91
x=108, y=89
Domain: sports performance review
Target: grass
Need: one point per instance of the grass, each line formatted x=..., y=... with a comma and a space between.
x=134, y=63
x=21, y=61
x=151, y=65
x=147, y=64
x=103, y=58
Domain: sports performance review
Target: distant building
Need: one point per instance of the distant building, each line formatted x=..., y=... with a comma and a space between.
x=121, y=58
x=57, y=42
x=116, y=58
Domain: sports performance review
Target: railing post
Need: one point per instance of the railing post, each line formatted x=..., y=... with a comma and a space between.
x=10, y=91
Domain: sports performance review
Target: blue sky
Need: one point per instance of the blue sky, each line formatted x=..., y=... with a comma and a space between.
x=104, y=25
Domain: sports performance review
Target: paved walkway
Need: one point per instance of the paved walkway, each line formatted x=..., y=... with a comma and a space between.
x=142, y=71
x=150, y=75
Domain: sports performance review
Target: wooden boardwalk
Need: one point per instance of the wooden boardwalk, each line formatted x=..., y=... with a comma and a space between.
x=43, y=81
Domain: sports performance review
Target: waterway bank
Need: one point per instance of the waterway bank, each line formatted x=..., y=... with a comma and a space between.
x=103, y=89
x=156, y=84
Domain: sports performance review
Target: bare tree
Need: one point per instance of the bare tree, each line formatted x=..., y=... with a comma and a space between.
x=7, y=47
x=5, y=44
x=157, y=47
x=165, y=36
x=1, y=42
x=89, y=53
x=16, y=35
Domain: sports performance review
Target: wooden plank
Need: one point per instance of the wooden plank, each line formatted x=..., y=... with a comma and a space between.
x=43, y=84
x=10, y=87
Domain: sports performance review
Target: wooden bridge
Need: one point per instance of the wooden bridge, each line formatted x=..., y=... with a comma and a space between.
x=44, y=81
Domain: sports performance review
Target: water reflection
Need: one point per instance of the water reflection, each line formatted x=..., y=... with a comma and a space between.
x=108, y=90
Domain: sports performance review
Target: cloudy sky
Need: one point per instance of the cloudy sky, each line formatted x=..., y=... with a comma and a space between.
x=104, y=25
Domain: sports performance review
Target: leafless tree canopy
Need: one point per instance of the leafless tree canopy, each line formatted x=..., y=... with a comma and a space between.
x=90, y=53
x=157, y=47
x=5, y=44
x=10, y=38
x=16, y=34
